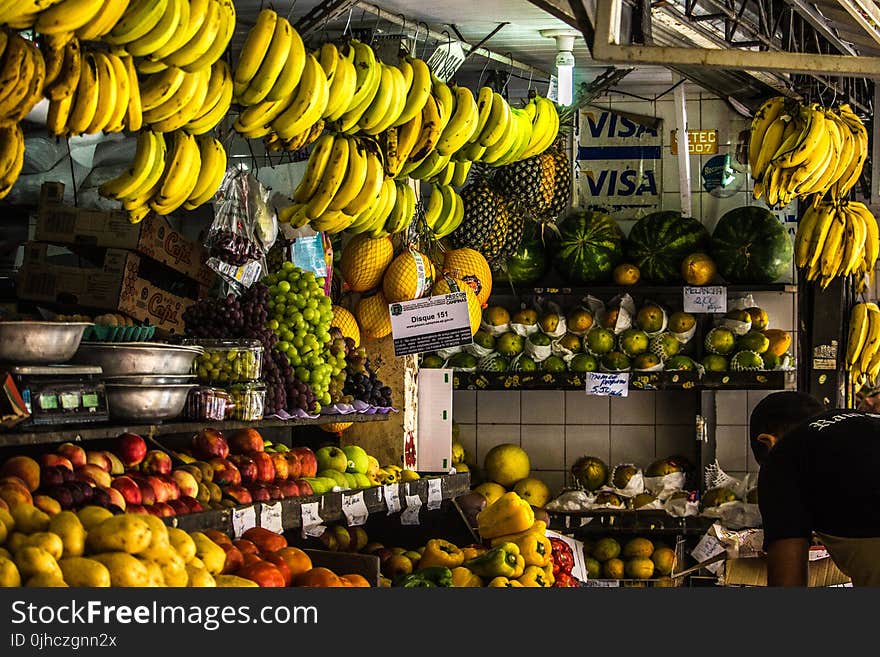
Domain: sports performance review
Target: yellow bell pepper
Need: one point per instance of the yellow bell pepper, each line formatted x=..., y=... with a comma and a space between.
x=534, y=576
x=462, y=577
x=548, y=573
x=540, y=527
x=473, y=551
x=501, y=561
x=535, y=547
x=505, y=582
x=441, y=553
x=509, y=514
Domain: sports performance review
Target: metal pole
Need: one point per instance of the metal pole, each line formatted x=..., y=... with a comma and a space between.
x=684, y=158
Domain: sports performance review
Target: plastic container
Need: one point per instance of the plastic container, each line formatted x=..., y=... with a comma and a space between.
x=247, y=400
x=228, y=361
x=207, y=403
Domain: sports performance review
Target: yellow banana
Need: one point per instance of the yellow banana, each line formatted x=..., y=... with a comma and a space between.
x=292, y=71
x=315, y=167
x=12, y=140
x=434, y=207
x=342, y=86
x=770, y=144
x=871, y=345
x=180, y=175
x=348, y=121
x=805, y=147
x=134, y=116
x=176, y=15
x=461, y=125
x=188, y=111
x=110, y=13
x=407, y=136
x=367, y=69
x=201, y=41
x=139, y=18
x=254, y=50
x=381, y=103
x=398, y=101
x=149, y=147
x=212, y=158
x=355, y=177
x=67, y=16
x=197, y=13
x=419, y=90
x=761, y=122
x=372, y=187
x=429, y=134
x=831, y=251
x=158, y=88
x=221, y=40
x=193, y=84
x=215, y=110
x=857, y=333
x=116, y=122
x=273, y=63
x=85, y=101
x=462, y=169
x=331, y=180
x=390, y=198
x=108, y=93
x=806, y=227
x=309, y=103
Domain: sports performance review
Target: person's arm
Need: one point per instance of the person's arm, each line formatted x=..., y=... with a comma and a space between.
x=787, y=560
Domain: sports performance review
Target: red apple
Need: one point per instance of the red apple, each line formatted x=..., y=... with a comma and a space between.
x=238, y=494
x=148, y=497
x=243, y=441
x=259, y=492
x=186, y=483
x=131, y=448
x=225, y=472
x=294, y=467
x=73, y=453
x=194, y=505
x=305, y=488
x=135, y=508
x=162, y=509
x=265, y=467
x=160, y=490
x=156, y=462
x=129, y=489
x=116, y=466
x=99, y=459
x=116, y=497
x=180, y=508
x=308, y=461
x=210, y=443
x=93, y=474
x=170, y=486
x=289, y=488
x=275, y=492
x=56, y=460
x=51, y=475
x=282, y=469
x=246, y=466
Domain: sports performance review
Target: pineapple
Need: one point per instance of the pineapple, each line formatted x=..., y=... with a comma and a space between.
x=562, y=183
x=490, y=225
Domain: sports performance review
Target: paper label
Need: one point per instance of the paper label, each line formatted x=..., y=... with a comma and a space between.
x=708, y=547
x=430, y=324
x=608, y=384
x=355, y=509
x=243, y=519
x=392, y=498
x=312, y=523
x=270, y=517
x=603, y=583
x=410, y=515
x=710, y=299
x=435, y=495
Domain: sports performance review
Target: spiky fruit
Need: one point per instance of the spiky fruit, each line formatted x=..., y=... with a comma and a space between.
x=720, y=341
x=746, y=361
x=681, y=363
x=493, y=363
x=634, y=342
x=562, y=185
x=490, y=224
x=664, y=346
x=531, y=181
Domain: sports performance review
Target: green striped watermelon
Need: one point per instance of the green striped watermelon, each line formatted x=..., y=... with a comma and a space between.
x=750, y=245
x=590, y=245
x=659, y=241
x=528, y=264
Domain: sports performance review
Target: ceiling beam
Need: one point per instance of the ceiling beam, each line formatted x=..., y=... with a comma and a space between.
x=820, y=24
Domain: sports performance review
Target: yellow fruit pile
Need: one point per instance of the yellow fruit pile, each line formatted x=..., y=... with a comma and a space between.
x=637, y=559
x=507, y=468
x=94, y=548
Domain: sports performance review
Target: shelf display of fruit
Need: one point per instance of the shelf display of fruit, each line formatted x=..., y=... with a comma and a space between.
x=637, y=561
x=228, y=361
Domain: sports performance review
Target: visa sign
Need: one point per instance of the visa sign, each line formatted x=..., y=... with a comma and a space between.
x=606, y=127
x=618, y=183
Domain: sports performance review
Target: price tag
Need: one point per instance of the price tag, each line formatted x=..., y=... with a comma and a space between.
x=312, y=523
x=243, y=519
x=355, y=509
x=710, y=299
x=603, y=583
x=435, y=496
x=270, y=517
x=392, y=497
x=410, y=515
x=608, y=384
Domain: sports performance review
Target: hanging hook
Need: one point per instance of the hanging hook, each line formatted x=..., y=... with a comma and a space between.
x=416, y=39
x=483, y=72
x=427, y=34
x=402, y=27
x=348, y=21
x=292, y=7
x=509, y=56
x=531, y=73
x=376, y=26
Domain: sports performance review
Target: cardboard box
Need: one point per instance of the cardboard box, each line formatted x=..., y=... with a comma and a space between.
x=153, y=237
x=117, y=285
x=752, y=571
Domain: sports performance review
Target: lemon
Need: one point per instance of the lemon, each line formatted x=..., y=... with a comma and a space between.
x=533, y=490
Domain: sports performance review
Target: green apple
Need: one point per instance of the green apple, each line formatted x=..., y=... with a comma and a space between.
x=358, y=460
x=319, y=484
x=363, y=481
x=331, y=458
x=338, y=477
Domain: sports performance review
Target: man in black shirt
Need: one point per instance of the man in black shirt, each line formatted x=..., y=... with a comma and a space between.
x=819, y=474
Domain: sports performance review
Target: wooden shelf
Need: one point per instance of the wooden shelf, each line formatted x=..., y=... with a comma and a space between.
x=330, y=504
x=609, y=291
x=35, y=435
x=758, y=380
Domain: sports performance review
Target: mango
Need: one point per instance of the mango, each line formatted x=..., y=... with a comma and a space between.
x=7, y=519
x=46, y=580
x=234, y=581
x=183, y=543
x=6, y=554
x=50, y=542
x=159, y=532
x=3, y=533
x=210, y=553
x=73, y=535
x=35, y=560
x=123, y=533
x=15, y=541
x=9, y=575
x=154, y=573
x=199, y=578
x=83, y=572
x=173, y=567
x=92, y=516
x=125, y=570
x=29, y=519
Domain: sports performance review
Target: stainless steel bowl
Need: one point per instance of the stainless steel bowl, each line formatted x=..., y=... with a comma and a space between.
x=138, y=357
x=151, y=379
x=146, y=403
x=34, y=342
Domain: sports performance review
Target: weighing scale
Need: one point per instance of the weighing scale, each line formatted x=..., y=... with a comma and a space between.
x=62, y=394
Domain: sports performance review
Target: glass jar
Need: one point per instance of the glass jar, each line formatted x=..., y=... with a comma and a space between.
x=247, y=400
x=206, y=403
x=228, y=361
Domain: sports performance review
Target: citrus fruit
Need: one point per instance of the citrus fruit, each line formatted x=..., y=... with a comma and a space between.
x=626, y=274
x=506, y=464
x=533, y=490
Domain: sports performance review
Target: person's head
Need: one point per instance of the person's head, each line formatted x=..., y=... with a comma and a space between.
x=776, y=415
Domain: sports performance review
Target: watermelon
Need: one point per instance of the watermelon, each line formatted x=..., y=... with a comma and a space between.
x=590, y=245
x=658, y=242
x=750, y=245
x=528, y=264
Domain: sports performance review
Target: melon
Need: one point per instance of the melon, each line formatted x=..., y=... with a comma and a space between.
x=750, y=245
x=470, y=266
x=589, y=247
x=660, y=241
x=364, y=261
x=409, y=276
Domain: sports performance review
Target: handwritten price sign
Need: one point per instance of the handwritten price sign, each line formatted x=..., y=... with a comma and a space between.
x=608, y=384
x=711, y=299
